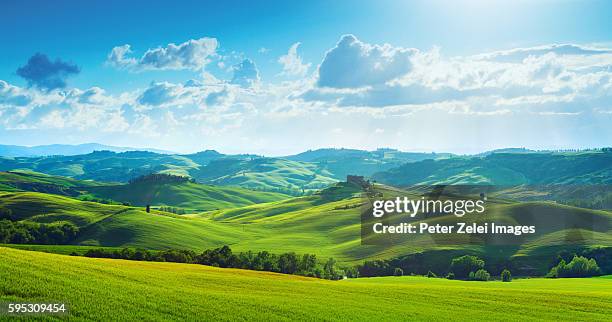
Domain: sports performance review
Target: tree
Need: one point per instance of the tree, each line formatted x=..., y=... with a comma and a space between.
x=462, y=266
x=307, y=265
x=288, y=263
x=330, y=270
x=479, y=275
x=264, y=261
x=506, y=276
x=578, y=267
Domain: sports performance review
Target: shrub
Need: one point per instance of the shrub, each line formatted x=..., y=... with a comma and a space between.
x=506, y=276
x=462, y=266
x=578, y=267
x=480, y=275
x=398, y=272
x=431, y=274
x=450, y=276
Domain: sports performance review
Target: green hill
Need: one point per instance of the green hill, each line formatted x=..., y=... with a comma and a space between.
x=327, y=224
x=116, y=225
x=506, y=169
x=265, y=173
x=186, y=195
x=298, y=174
x=106, y=289
x=39, y=182
x=172, y=191
x=343, y=162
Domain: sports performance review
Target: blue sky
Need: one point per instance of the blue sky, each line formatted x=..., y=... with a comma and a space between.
x=277, y=77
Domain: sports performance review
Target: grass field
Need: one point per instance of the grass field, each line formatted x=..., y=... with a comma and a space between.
x=105, y=289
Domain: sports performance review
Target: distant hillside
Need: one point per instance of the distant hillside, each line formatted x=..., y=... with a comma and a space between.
x=64, y=149
x=187, y=195
x=39, y=182
x=342, y=162
x=312, y=170
x=105, y=166
x=154, y=190
x=300, y=174
x=511, y=169
x=265, y=173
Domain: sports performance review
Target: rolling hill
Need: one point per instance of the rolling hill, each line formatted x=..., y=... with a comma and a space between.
x=109, y=289
x=327, y=224
x=342, y=162
x=188, y=195
x=171, y=191
x=506, y=169
x=312, y=170
x=298, y=174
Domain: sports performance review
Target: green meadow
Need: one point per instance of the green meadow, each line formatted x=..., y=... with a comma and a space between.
x=106, y=289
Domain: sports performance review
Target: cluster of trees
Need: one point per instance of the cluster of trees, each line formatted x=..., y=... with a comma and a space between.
x=470, y=268
x=578, y=267
x=14, y=232
x=465, y=267
x=174, y=210
x=161, y=178
x=286, y=263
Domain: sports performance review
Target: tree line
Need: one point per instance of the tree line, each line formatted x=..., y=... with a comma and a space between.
x=468, y=267
x=14, y=232
x=286, y=263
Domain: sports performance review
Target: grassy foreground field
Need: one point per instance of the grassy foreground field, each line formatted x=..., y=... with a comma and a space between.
x=104, y=289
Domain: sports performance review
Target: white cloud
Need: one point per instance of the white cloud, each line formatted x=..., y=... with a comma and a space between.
x=359, y=88
x=352, y=63
x=292, y=62
x=193, y=54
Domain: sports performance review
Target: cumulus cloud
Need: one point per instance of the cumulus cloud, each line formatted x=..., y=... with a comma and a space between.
x=358, y=87
x=92, y=108
x=46, y=74
x=193, y=54
x=246, y=73
x=292, y=62
x=167, y=94
x=562, y=78
x=352, y=63
x=13, y=96
x=160, y=93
